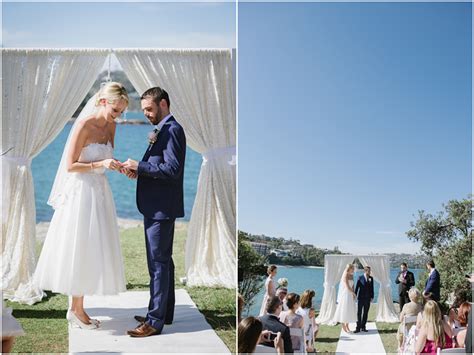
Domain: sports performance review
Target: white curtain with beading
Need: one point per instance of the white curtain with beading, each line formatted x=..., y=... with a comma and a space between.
x=334, y=266
x=380, y=271
x=41, y=89
x=201, y=85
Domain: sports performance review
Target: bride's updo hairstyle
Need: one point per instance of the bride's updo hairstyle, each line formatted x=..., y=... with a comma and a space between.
x=112, y=92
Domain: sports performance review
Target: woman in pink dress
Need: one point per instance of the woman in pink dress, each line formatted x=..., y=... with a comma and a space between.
x=434, y=331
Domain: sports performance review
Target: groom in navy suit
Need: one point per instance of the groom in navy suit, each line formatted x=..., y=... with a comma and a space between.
x=433, y=284
x=365, y=295
x=160, y=199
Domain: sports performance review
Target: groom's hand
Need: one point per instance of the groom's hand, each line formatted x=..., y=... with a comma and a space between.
x=129, y=173
x=130, y=164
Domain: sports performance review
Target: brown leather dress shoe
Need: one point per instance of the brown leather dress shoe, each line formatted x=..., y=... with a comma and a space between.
x=140, y=319
x=144, y=330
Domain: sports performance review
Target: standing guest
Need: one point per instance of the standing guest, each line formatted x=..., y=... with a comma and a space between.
x=412, y=308
x=433, y=283
x=281, y=292
x=405, y=280
x=271, y=322
x=434, y=331
x=269, y=287
x=306, y=302
x=292, y=319
x=468, y=340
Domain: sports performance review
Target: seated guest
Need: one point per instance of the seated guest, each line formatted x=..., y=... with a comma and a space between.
x=250, y=334
x=427, y=296
x=452, y=316
x=291, y=319
x=463, y=314
x=434, y=331
x=271, y=322
x=306, y=302
x=411, y=308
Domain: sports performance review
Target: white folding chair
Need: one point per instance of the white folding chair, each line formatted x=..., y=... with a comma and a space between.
x=452, y=351
x=408, y=344
x=298, y=333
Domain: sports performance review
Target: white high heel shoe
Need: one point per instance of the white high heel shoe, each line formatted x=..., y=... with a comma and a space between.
x=75, y=321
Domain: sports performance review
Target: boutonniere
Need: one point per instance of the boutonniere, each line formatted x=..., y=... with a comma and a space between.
x=152, y=136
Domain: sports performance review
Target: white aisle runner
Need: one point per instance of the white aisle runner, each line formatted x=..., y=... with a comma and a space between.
x=366, y=343
x=189, y=333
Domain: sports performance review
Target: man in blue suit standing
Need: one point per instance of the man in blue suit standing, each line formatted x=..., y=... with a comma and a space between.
x=433, y=283
x=365, y=295
x=160, y=199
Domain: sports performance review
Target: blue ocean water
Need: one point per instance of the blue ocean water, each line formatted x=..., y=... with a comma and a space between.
x=130, y=142
x=303, y=278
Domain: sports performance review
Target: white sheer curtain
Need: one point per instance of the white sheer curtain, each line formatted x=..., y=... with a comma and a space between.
x=41, y=90
x=380, y=270
x=201, y=86
x=334, y=266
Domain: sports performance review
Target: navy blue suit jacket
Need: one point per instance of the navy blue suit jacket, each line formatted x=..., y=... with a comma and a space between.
x=364, y=290
x=433, y=285
x=160, y=174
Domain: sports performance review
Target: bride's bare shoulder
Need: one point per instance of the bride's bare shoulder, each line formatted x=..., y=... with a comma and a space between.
x=87, y=122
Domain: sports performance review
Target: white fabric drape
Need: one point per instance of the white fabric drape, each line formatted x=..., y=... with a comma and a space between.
x=201, y=86
x=334, y=266
x=380, y=270
x=41, y=91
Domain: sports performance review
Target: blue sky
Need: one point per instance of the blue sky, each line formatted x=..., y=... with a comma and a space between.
x=351, y=118
x=114, y=25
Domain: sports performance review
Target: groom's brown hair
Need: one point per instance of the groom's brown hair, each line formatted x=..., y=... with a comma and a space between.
x=156, y=94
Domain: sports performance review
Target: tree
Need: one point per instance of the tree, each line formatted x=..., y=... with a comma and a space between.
x=251, y=270
x=447, y=238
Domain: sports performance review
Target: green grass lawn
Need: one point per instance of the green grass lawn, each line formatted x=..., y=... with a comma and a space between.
x=328, y=336
x=45, y=323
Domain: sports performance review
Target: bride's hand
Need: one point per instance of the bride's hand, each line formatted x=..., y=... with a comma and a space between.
x=111, y=164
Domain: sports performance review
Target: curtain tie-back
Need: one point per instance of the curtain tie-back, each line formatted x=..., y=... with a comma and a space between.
x=215, y=153
x=20, y=161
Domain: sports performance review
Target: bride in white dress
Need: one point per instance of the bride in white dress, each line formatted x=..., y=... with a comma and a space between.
x=81, y=254
x=346, y=310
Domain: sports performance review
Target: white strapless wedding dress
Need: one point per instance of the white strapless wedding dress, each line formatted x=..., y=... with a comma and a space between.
x=81, y=254
x=346, y=310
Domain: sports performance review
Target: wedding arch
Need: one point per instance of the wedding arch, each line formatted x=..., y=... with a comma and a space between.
x=41, y=89
x=380, y=270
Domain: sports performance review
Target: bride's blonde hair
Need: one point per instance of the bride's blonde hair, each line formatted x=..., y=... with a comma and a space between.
x=348, y=267
x=112, y=92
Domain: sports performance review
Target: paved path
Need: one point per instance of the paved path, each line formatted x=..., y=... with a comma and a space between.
x=189, y=333
x=367, y=343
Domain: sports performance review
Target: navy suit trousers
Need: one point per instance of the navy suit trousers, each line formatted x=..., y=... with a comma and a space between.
x=363, y=306
x=159, y=248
